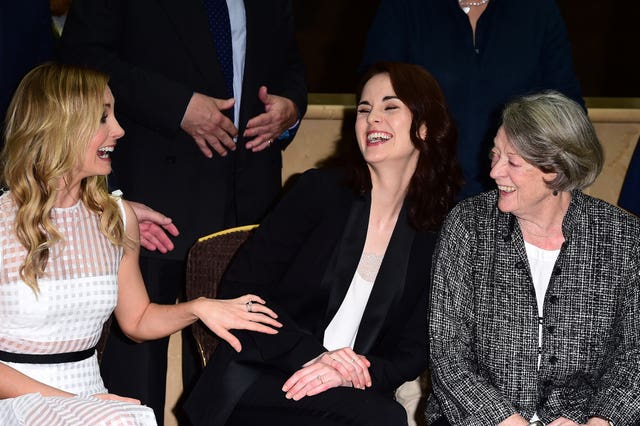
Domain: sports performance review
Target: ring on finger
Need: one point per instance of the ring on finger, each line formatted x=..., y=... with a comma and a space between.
x=269, y=142
x=320, y=378
x=249, y=306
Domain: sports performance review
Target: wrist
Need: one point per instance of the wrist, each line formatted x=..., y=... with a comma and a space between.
x=599, y=421
x=514, y=420
x=314, y=360
x=195, y=307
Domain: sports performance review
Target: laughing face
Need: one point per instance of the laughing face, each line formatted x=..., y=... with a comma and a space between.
x=383, y=125
x=522, y=186
x=97, y=161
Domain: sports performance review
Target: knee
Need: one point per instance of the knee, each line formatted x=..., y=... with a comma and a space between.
x=383, y=412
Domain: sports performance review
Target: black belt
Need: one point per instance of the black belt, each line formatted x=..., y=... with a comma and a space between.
x=46, y=358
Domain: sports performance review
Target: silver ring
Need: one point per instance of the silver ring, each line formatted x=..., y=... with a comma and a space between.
x=249, y=306
x=320, y=378
x=269, y=142
x=353, y=360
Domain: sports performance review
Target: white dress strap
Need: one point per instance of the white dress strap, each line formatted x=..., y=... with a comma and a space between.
x=117, y=196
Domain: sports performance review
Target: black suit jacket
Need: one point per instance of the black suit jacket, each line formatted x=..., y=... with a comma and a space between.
x=157, y=53
x=301, y=261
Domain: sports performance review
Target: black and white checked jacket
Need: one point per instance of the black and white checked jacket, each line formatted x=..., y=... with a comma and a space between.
x=484, y=318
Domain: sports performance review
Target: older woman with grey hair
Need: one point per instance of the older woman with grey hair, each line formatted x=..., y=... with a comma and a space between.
x=535, y=310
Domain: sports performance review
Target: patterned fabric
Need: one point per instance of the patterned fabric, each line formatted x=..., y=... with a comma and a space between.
x=484, y=319
x=220, y=28
x=77, y=295
x=34, y=410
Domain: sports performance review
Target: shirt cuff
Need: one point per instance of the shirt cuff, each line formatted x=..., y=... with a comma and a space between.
x=290, y=132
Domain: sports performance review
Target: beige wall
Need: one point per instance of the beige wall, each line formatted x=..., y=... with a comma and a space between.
x=617, y=128
x=618, y=131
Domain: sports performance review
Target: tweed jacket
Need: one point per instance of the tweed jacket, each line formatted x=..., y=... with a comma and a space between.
x=484, y=318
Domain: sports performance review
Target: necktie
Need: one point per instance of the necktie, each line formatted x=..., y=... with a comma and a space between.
x=220, y=28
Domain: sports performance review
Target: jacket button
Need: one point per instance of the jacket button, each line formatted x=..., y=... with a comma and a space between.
x=557, y=270
x=553, y=300
x=170, y=159
x=547, y=383
x=520, y=265
x=553, y=360
x=551, y=329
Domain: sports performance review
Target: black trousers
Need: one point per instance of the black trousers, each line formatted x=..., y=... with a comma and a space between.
x=265, y=404
x=139, y=370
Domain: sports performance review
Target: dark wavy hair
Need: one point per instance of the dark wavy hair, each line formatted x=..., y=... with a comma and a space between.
x=437, y=178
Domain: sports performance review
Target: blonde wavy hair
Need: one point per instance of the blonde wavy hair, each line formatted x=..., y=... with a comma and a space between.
x=55, y=112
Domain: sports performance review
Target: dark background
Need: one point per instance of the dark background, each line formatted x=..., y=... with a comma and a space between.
x=603, y=33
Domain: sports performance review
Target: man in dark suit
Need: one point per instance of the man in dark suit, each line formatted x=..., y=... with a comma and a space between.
x=202, y=148
x=26, y=40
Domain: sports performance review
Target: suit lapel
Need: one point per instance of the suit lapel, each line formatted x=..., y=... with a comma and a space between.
x=191, y=25
x=388, y=286
x=346, y=257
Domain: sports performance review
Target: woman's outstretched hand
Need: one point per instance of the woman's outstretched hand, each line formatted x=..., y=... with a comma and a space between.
x=342, y=367
x=247, y=312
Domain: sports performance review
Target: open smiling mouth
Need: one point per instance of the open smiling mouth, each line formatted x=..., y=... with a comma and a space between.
x=105, y=152
x=508, y=189
x=375, y=138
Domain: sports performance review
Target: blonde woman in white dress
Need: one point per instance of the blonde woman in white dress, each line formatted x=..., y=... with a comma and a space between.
x=69, y=258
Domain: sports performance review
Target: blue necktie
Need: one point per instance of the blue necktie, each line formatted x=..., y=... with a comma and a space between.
x=220, y=28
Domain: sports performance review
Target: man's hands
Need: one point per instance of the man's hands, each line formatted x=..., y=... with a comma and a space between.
x=280, y=114
x=213, y=131
x=208, y=126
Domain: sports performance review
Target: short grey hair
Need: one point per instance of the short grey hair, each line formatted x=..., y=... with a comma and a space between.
x=553, y=133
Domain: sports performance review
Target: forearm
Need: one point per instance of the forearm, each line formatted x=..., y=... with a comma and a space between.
x=13, y=384
x=619, y=387
x=288, y=350
x=598, y=421
x=388, y=374
x=159, y=321
x=465, y=397
x=514, y=420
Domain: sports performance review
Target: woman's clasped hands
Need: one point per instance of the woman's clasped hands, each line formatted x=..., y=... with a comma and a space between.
x=342, y=367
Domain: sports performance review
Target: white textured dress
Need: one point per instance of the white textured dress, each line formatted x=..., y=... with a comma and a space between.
x=77, y=295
